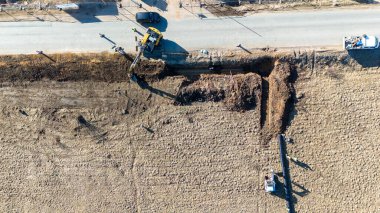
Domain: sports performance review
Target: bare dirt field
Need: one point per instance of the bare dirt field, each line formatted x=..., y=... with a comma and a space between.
x=335, y=132
x=78, y=137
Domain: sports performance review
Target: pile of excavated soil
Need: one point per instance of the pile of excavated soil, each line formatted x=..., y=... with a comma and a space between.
x=91, y=146
x=207, y=88
x=244, y=92
x=238, y=93
x=279, y=95
x=276, y=101
x=270, y=89
x=73, y=67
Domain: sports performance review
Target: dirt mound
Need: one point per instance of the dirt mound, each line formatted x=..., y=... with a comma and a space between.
x=278, y=100
x=244, y=92
x=73, y=67
x=206, y=88
x=238, y=93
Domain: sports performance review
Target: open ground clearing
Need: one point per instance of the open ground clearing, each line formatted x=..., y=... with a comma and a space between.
x=81, y=138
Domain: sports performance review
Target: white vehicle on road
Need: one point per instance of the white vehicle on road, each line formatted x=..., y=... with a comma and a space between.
x=360, y=42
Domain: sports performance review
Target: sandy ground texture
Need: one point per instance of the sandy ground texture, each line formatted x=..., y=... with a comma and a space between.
x=335, y=133
x=74, y=139
x=69, y=147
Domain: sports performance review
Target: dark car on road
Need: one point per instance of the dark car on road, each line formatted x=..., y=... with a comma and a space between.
x=147, y=17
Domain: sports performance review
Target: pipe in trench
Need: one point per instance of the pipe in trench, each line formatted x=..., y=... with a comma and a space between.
x=286, y=174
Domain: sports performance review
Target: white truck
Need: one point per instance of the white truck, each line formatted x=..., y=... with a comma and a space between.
x=360, y=42
x=270, y=183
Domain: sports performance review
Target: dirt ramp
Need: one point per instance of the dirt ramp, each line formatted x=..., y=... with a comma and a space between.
x=237, y=92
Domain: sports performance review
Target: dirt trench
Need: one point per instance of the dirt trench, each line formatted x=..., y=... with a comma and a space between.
x=267, y=86
x=103, y=67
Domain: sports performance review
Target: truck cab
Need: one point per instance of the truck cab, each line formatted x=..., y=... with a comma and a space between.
x=360, y=42
x=270, y=183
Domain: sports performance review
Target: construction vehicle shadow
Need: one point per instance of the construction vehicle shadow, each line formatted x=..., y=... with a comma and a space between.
x=144, y=85
x=169, y=51
x=161, y=26
x=87, y=12
x=171, y=46
x=159, y=4
x=303, y=191
x=366, y=58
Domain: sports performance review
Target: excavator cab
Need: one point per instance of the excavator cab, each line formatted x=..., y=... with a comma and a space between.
x=151, y=39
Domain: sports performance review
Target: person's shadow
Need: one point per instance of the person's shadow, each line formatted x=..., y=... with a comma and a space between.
x=301, y=164
x=301, y=190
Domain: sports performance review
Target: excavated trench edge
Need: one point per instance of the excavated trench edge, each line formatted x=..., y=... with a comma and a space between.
x=111, y=68
x=263, y=67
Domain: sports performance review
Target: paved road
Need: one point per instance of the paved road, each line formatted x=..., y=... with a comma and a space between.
x=286, y=29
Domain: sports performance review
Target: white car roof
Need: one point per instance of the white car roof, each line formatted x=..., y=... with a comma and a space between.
x=370, y=41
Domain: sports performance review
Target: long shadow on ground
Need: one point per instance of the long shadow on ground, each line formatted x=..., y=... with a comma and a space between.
x=168, y=50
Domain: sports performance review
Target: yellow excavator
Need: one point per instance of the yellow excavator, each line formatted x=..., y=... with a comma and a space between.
x=150, y=40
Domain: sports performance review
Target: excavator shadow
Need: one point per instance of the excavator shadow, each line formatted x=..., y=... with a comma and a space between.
x=168, y=51
x=144, y=85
